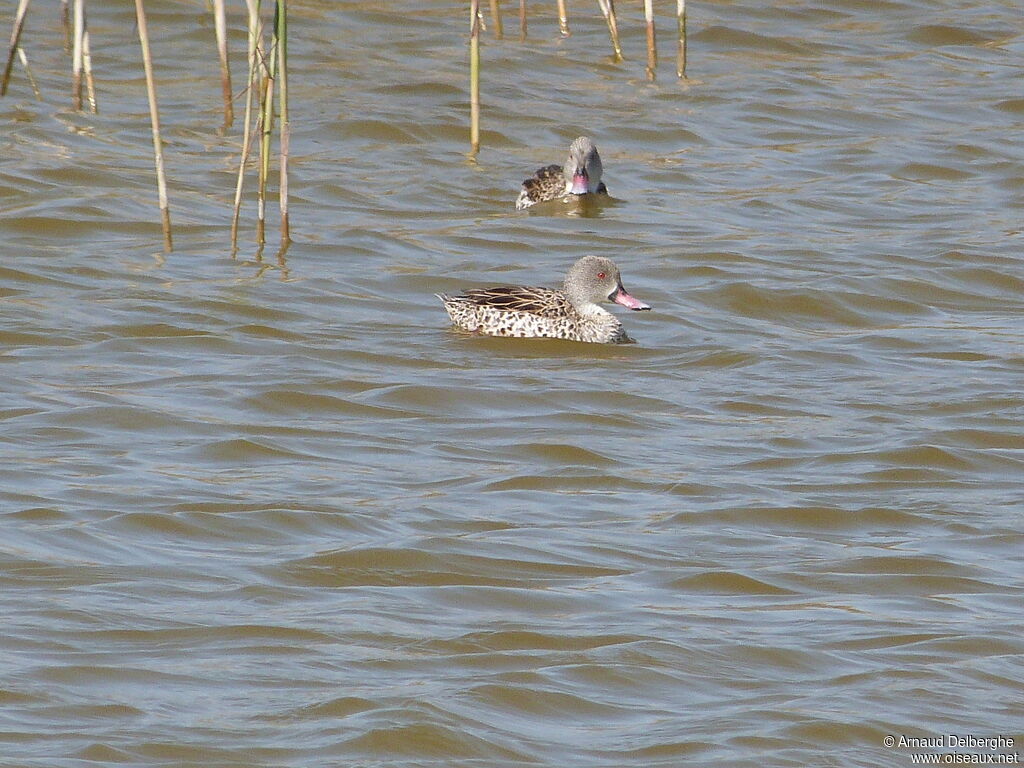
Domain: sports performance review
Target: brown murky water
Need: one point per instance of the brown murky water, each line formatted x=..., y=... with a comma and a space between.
x=263, y=513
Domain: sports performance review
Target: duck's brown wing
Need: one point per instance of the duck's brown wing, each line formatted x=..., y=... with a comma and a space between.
x=545, y=302
x=546, y=184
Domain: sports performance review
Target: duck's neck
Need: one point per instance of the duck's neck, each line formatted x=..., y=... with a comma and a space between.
x=598, y=324
x=590, y=310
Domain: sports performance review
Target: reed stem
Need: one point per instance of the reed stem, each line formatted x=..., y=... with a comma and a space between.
x=563, y=19
x=522, y=20
x=220, y=30
x=19, y=24
x=608, y=9
x=284, y=130
x=250, y=95
x=681, y=55
x=28, y=72
x=496, y=16
x=474, y=76
x=90, y=85
x=154, y=117
x=266, y=131
x=65, y=24
x=652, y=46
x=76, y=55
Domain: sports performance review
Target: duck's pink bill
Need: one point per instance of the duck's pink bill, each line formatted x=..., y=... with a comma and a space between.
x=626, y=300
x=579, y=184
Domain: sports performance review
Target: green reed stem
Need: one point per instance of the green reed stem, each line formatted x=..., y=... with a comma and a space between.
x=154, y=117
x=19, y=24
x=220, y=30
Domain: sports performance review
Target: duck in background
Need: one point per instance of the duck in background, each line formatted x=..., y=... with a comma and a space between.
x=580, y=175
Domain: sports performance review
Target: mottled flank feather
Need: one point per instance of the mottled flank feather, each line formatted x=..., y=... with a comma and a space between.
x=532, y=312
x=548, y=183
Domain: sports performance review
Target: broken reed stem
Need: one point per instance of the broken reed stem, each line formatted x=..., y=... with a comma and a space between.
x=19, y=24
x=474, y=76
x=76, y=56
x=220, y=30
x=154, y=116
x=608, y=9
x=250, y=93
x=652, y=49
x=266, y=130
x=90, y=85
x=563, y=19
x=281, y=35
x=496, y=17
x=681, y=55
x=28, y=71
x=522, y=20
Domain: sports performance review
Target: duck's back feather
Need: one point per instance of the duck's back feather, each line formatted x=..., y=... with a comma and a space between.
x=546, y=184
x=545, y=302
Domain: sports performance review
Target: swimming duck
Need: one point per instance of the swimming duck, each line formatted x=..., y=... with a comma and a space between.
x=571, y=313
x=580, y=175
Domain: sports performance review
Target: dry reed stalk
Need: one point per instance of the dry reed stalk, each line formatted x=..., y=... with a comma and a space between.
x=90, y=85
x=652, y=46
x=608, y=9
x=681, y=55
x=266, y=131
x=220, y=30
x=496, y=16
x=19, y=24
x=154, y=116
x=76, y=56
x=254, y=56
x=563, y=19
x=522, y=20
x=474, y=76
x=281, y=34
x=28, y=72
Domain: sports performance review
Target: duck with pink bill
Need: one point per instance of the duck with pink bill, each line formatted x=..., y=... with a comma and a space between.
x=570, y=313
x=579, y=175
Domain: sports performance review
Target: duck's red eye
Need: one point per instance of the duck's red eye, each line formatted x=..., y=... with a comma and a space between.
x=601, y=275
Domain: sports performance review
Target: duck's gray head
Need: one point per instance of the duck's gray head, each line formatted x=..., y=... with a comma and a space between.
x=582, y=169
x=594, y=279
